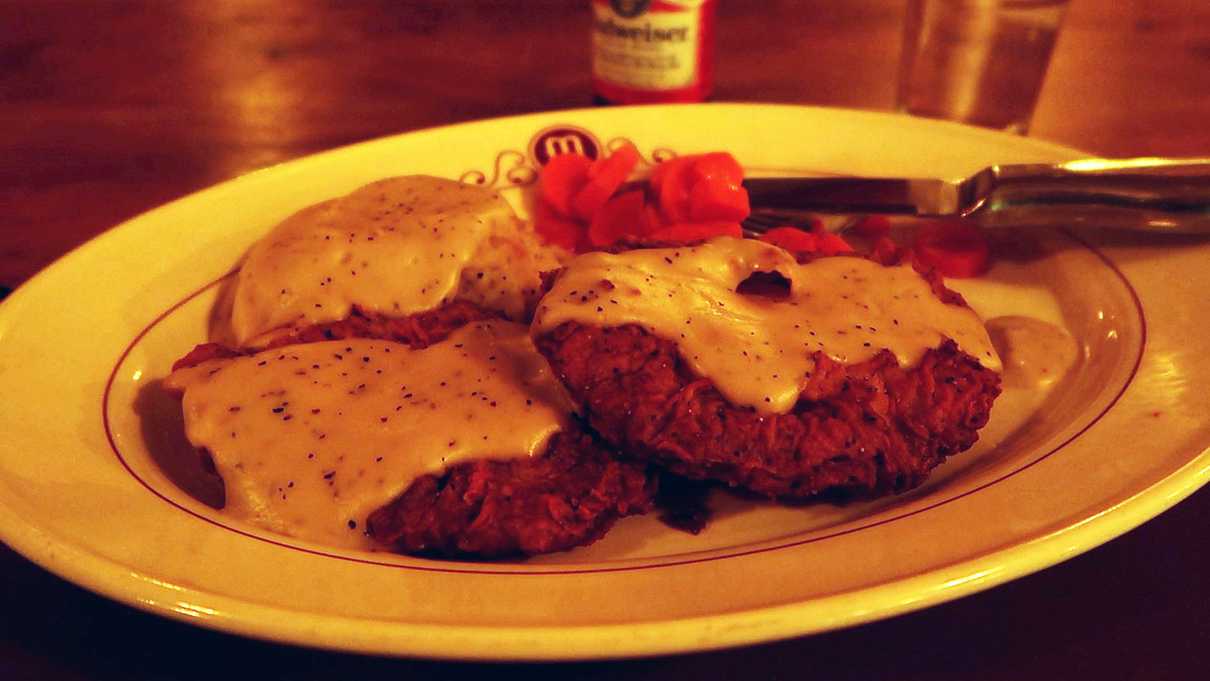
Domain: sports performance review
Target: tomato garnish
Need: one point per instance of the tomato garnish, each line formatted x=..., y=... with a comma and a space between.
x=818, y=241
x=792, y=239
x=700, y=188
x=954, y=247
x=556, y=229
x=718, y=199
x=671, y=184
x=605, y=175
x=718, y=165
x=621, y=216
x=562, y=177
x=652, y=220
x=872, y=226
x=884, y=250
x=832, y=244
x=693, y=198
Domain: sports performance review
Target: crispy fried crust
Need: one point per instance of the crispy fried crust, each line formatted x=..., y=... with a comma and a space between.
x=565, y=498
x=865, y=429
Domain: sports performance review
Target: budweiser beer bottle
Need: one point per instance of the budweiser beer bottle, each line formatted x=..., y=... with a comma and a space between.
x=646, y=51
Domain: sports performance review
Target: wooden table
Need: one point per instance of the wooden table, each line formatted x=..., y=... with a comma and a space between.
x=109, y=108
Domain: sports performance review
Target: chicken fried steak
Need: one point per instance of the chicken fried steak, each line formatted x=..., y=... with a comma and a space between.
x=385, y=432
x=568, y=497
x=867, y=428
x=860, y=381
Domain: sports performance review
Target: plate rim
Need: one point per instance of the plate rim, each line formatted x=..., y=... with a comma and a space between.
x=586, y=642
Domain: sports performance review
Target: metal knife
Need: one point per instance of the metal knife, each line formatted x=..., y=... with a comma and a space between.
x=1151, y=194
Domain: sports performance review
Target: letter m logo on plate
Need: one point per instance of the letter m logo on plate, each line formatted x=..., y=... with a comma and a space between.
x=563, y=139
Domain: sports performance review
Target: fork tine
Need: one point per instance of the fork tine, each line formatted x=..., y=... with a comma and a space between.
x=761, y=222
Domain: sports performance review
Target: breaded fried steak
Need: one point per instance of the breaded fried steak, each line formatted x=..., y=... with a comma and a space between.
x=441, y=433
x=394, y=247
x=570, y=496
x=858, y=379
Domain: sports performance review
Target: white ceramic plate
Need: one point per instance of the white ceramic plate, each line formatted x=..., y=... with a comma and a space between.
x=81, y=345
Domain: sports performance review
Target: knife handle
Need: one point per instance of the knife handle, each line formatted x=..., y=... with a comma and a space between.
x=1168, y=195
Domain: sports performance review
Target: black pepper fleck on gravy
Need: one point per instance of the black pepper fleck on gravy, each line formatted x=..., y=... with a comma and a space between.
x=690, y=296
x=399, y=245
x=265, y=422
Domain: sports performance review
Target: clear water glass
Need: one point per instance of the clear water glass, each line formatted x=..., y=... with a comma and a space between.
x=977, y=61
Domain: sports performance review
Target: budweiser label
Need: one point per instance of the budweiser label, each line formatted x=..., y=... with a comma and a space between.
x=647, y=44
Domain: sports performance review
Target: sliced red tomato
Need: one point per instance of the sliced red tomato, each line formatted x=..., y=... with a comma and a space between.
x=656, y=181
x=700, y=188
x=872, y=226
x=792, y=239
x=829, y=243
x=696, y=231
x=652, y=220
x=717, y=166
x=604, y=177
x=818, y=241
x=884, y=250
x=562, y=177
x=621, y=216
x=832, y=244
x=672, y=185
x=694, y=198
x=556, y=229
x=617, y=165
x=718, y=199
x=955, y=248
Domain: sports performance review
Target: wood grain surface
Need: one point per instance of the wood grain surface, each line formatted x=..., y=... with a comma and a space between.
x=109, y=108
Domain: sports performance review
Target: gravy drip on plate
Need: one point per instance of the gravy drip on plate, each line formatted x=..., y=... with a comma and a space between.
x=758, y=350
x=1036, y=353
x=394, y=247
x=310, y=439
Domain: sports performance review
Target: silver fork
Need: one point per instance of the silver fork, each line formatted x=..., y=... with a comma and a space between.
x=1149, y=194
x=760, y=222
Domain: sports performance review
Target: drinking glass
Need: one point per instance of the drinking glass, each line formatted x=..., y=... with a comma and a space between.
x=977, y=61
